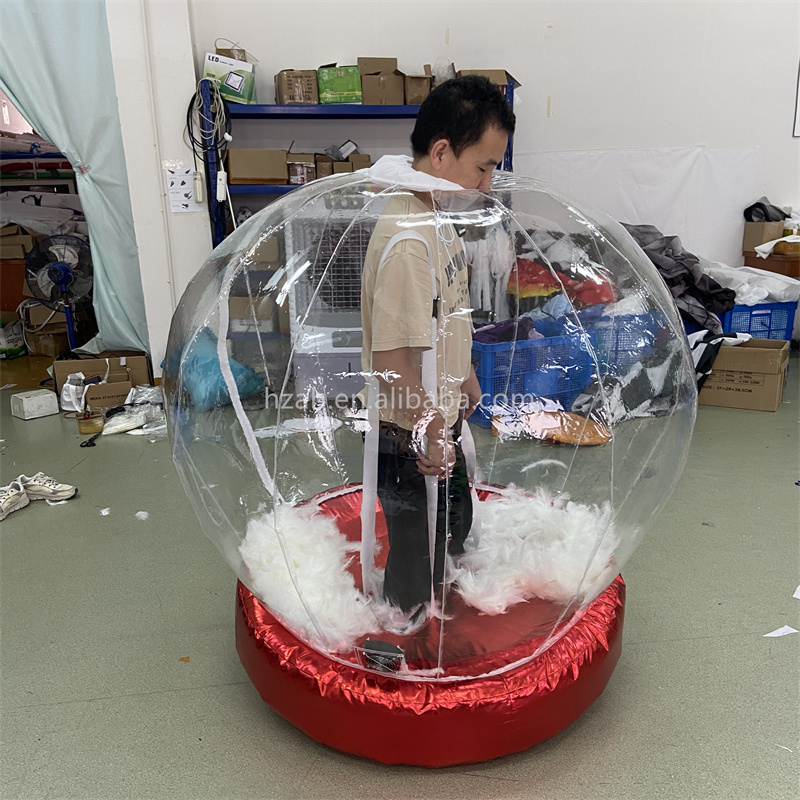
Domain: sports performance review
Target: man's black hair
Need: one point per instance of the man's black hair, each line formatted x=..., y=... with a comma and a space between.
x=460, y=110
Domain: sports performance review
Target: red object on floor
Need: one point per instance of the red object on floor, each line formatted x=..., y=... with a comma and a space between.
x=435, y=722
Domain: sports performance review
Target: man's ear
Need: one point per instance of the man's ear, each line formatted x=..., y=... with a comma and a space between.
x=437, y=152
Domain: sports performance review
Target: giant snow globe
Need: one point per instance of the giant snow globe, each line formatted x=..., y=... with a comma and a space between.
x=426, y=427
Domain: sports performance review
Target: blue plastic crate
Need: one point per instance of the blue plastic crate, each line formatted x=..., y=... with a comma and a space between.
x=502, y=358
x=622, y=341
x=556, y=367
x=762, y=321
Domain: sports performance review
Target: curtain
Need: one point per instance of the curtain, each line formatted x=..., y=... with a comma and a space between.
x=55, y=67
x=697, y=193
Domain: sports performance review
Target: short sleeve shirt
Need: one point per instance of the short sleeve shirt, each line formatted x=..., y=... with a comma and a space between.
x=397, y=301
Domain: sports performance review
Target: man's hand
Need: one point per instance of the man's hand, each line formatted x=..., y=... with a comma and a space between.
x=471, y=390
x=396, y=373
x=440, y=456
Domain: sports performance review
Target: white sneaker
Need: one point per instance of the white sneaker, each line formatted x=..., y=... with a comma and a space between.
x=40, y=487
x=12, y=498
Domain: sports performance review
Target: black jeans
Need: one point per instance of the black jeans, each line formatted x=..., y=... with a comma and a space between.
x=401, y=490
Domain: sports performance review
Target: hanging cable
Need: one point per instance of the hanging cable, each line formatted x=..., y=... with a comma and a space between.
x=208, y=131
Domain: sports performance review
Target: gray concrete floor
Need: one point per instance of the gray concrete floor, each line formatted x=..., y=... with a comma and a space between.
x=98, y=611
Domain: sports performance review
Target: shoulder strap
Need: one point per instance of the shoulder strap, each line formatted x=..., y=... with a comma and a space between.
x=369, y=488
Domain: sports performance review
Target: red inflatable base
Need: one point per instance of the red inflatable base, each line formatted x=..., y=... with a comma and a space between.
x=431, y=723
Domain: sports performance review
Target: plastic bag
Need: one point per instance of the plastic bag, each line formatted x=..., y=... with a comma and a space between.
x=73, y=392
x=144, y=394
x=125, y=421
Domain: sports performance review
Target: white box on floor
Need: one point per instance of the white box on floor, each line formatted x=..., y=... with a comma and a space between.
x=34, y=403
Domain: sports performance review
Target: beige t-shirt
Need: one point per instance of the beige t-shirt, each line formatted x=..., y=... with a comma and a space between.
x=397, y=302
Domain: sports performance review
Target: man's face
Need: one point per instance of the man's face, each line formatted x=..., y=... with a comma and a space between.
x=473, y=168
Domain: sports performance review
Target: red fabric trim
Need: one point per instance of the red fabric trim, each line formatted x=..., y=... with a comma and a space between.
x=432, y=723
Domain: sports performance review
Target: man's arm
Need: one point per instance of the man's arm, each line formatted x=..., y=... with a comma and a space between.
x=400, y=381
x=471, y=389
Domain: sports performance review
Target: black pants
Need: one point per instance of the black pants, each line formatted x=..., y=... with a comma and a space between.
x=401, y=490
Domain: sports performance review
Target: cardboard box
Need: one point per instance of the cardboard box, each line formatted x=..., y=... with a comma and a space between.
x=34, y=403
x=339, y=84
x=108, y=395
x=756, y=233
x=10, y=230
x=324, y=166
x=342, y=166
x=359, y=160
x=46, y=331
x=17, y=246
x=787, y=248
x=47, y=343
x=242, y=312
x=14, y=252
x=12, y=343
x=238, y=53
x=257, y=166
x=301, y=167
x=788, y=265
x=382, y=84
x=236, y=78
x=266, y=253
x=39, y=315
x=244, y=307
x=750, y=375
x=418, y=87
x=134, y=365
x=296, y=87
x=500, y=77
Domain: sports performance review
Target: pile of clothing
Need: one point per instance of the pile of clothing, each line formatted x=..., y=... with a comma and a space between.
x=698, y=297
x=530, y=278
x=647, y=389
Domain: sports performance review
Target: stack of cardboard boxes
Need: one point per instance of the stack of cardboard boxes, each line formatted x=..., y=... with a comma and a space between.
x=785, y=259
x=278, y=167
x=372, y=81
x=45, y=331
x=15, y=244
x=752, y=375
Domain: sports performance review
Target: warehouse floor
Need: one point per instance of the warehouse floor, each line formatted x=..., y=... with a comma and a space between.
x=120, y=678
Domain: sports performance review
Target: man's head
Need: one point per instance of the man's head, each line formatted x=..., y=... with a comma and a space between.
x=462, y=130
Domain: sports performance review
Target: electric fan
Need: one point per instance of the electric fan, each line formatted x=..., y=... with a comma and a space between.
x=59, y=273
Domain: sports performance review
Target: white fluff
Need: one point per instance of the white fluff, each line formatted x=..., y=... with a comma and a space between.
x=530, y=546
x=536, y=546
x=318, y=554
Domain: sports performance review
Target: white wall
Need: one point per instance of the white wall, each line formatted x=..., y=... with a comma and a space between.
x=595, y=75
x=16, y=122
x=154, y=76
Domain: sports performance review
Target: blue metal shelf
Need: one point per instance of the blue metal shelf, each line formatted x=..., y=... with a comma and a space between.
x=353, y=111
x=333, y=111
x=31, y=156
x=261, y=188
